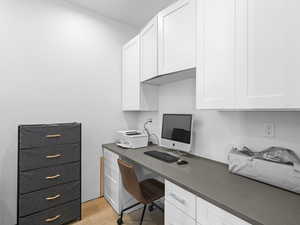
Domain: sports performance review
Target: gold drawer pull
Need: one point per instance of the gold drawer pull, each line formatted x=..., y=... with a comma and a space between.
x=53, y=156
x=53, y=135
x=53, y=177
x=53, y=218
x=53, y=198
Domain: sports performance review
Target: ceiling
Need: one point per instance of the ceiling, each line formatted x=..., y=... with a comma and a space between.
x=133, y=12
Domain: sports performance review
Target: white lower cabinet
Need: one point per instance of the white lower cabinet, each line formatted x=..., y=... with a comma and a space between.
x=114, y=191
x=184, y=208
x=174, y=216
x=181, y=199
x=209, y=214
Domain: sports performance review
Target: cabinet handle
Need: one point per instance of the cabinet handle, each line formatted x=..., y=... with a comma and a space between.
x=53, y=156
x=180, y=200
x=53, y=198
x=53, y=177
x=53, y=135
x=52, y=219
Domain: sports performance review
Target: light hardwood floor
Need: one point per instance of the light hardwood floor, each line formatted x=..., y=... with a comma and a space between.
x=99, y=212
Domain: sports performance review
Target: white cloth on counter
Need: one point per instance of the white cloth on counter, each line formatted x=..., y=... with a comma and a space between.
x=281, y=175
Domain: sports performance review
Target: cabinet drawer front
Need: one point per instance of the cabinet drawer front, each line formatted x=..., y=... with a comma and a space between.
x=54, y=216
x=111, y=191
x=174, y=216
x=208, y=213
x=43, y=178
x=111, y=165
x=48, y=156
x=181, y=198
x=215, y=213
x=111, y=158
x=48, y=198
x=112, y=173
x=43, y=135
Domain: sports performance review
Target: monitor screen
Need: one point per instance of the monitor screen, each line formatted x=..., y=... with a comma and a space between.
x=177, y=127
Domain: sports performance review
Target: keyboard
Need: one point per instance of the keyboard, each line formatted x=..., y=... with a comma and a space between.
x=162, y=156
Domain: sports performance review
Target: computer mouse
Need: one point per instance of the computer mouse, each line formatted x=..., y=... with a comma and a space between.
x=182, y=162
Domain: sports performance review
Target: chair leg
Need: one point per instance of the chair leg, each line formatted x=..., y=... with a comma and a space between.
x=143, y=214
x=151, y=207
x=120, y=220
x=157, y=206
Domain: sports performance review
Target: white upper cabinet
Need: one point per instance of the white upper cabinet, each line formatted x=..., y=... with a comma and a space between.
x=247, y=54
x=131, y=75
x=215, y=54
x=148, y=37
x=268, y=65
x=136, y=96
x=177, y=37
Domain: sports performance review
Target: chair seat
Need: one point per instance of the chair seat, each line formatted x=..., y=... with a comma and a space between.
x=152, y=190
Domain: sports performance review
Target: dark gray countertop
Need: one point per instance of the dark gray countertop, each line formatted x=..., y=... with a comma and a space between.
x=255, y=202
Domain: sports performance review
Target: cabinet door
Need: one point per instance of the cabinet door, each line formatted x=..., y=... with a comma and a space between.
x=174, y=216
x=131, y=75
x=268, y=45
x=148, y=42
x=215, y=54
x=177, y=37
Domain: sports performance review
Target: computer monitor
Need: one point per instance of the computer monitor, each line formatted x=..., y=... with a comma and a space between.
x=177, y=131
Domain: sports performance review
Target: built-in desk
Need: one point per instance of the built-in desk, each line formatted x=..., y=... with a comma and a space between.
x=252, y=201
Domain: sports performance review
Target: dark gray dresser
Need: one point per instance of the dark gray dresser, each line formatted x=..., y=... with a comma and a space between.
x=49, y=174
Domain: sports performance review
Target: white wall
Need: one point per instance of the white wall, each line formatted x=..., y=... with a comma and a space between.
x=58, y=63
x=216, y=132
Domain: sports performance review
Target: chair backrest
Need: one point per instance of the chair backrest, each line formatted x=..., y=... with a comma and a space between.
x=130, y=180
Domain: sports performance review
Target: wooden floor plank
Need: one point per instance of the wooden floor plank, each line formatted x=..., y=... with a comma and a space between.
x=99, y=212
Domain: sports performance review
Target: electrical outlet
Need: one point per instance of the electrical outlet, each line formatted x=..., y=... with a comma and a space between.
x=269, y=130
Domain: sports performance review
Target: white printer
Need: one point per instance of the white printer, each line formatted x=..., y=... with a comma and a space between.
x=132, y=139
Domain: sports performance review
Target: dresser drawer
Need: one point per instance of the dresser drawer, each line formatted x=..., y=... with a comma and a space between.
x=48, y=198
x=54, y=216
x=182, y=199
x=174, y=216
x=42, y=178
x=43, y=135
x=48, y=156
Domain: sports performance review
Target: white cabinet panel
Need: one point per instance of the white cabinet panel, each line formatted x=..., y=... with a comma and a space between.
x=131, y=75
x=267, y=43
x=111, y=179
x=149, y=56
x=202, y=212
x=174, y=216
x=177, y=37
x=216, y=54
x=136, y=96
